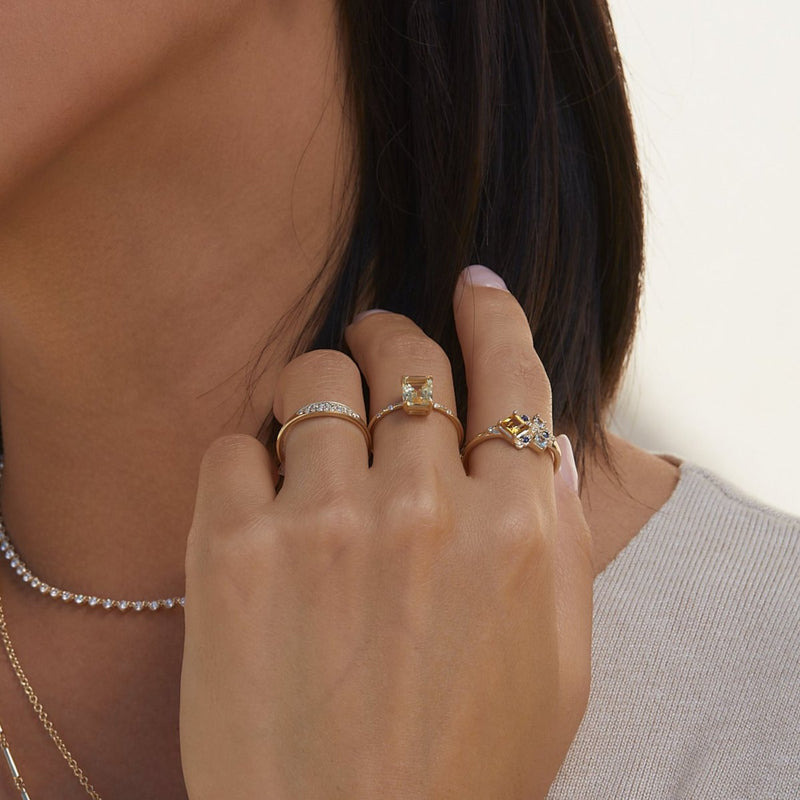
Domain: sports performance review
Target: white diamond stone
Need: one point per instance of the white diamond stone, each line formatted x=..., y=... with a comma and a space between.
x=169, y=602
x=80, y=599
x=122, y=605
x=138, y=605
x=107, y=603
x=153, y=605
x=93, y=601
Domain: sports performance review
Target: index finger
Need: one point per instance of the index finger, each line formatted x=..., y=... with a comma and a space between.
x=504, y=375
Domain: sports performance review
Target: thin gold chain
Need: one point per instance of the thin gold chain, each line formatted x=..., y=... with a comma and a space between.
x=18, y=782
x=40, y=712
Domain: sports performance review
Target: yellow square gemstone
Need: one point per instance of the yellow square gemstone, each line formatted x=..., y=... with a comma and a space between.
x=417, y=391
x=518, y=428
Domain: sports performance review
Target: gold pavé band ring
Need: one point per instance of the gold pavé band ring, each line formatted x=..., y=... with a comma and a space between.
x=325, y=408
x=521, y=431
x=416, y=392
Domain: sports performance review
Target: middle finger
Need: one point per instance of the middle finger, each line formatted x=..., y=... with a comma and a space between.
x=387, y=347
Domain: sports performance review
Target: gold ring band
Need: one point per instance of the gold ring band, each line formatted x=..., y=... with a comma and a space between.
x=520, y=430
x=326, y=408
x=417, y=400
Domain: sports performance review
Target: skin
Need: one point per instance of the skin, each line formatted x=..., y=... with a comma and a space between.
x=169, y=179
x=398, y=674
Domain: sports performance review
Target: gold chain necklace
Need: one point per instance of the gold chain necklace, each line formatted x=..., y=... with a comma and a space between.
x=44, y=719
x=18, y=782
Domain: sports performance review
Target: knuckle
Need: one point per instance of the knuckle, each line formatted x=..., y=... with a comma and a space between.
x=522, y=529
x=516, y=522
x=504, y=313
x=339, y=521
x=418, y=509
x=234, y=547
x=510, y=358
x=224, y=450
x=223, y=500
x=322, y=365
x=521, y=548
x=333, y=533
x=412, y=348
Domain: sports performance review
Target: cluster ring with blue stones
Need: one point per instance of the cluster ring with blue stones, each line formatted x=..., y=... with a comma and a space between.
x=522, y=431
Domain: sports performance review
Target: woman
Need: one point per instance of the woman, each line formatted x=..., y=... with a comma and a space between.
x=194, y=196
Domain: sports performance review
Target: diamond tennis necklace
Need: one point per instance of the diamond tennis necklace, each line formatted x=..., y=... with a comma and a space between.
x=16, y=563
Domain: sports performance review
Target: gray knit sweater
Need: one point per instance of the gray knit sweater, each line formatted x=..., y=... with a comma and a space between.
x=696, y=656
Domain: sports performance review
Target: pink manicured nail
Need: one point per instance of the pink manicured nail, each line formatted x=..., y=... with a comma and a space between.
x=568, y=472
x=478, y=275
x=363, y=314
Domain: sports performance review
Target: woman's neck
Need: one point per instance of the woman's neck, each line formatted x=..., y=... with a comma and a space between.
x=142, y=268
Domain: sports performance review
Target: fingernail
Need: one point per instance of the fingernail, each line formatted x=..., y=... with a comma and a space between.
x=478, y=275
x=363, y=314
x=568, y=472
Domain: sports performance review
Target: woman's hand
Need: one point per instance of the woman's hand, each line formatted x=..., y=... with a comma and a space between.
x=400, y=631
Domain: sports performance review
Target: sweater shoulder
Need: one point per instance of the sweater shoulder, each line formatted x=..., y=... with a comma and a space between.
x=695, y=676
x=708, y=527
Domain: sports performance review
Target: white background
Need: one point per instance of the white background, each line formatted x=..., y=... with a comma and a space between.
x=715, y=376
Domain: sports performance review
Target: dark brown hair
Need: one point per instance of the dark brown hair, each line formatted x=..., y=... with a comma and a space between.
x=494, y=132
